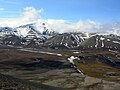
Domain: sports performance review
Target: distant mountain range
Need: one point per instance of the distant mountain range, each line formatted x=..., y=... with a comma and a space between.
x=30, y=35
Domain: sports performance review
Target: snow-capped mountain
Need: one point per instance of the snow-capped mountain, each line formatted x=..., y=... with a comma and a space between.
x=34, y=35
x=25, y=30
x=28, y=33
x=9, y=36
x=28, y=29
x=7, y=31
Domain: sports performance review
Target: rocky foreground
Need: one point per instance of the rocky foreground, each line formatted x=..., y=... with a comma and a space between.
x=72, y=82
x=33, y=70
x=9, y=83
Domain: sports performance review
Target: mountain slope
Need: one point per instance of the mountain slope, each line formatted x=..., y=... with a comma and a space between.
x=102, y=41
x=66, y=40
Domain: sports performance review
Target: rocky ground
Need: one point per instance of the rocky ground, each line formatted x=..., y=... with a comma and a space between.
x=9, y=83
x=23, y=70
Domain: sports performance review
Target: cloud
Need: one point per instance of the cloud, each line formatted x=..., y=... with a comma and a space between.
x=29, y=15
x=115, y=29
x=65, y=26
x=32, y=15
x=2, y=9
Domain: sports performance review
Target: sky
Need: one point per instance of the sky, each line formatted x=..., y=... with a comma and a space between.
x=72, y=13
